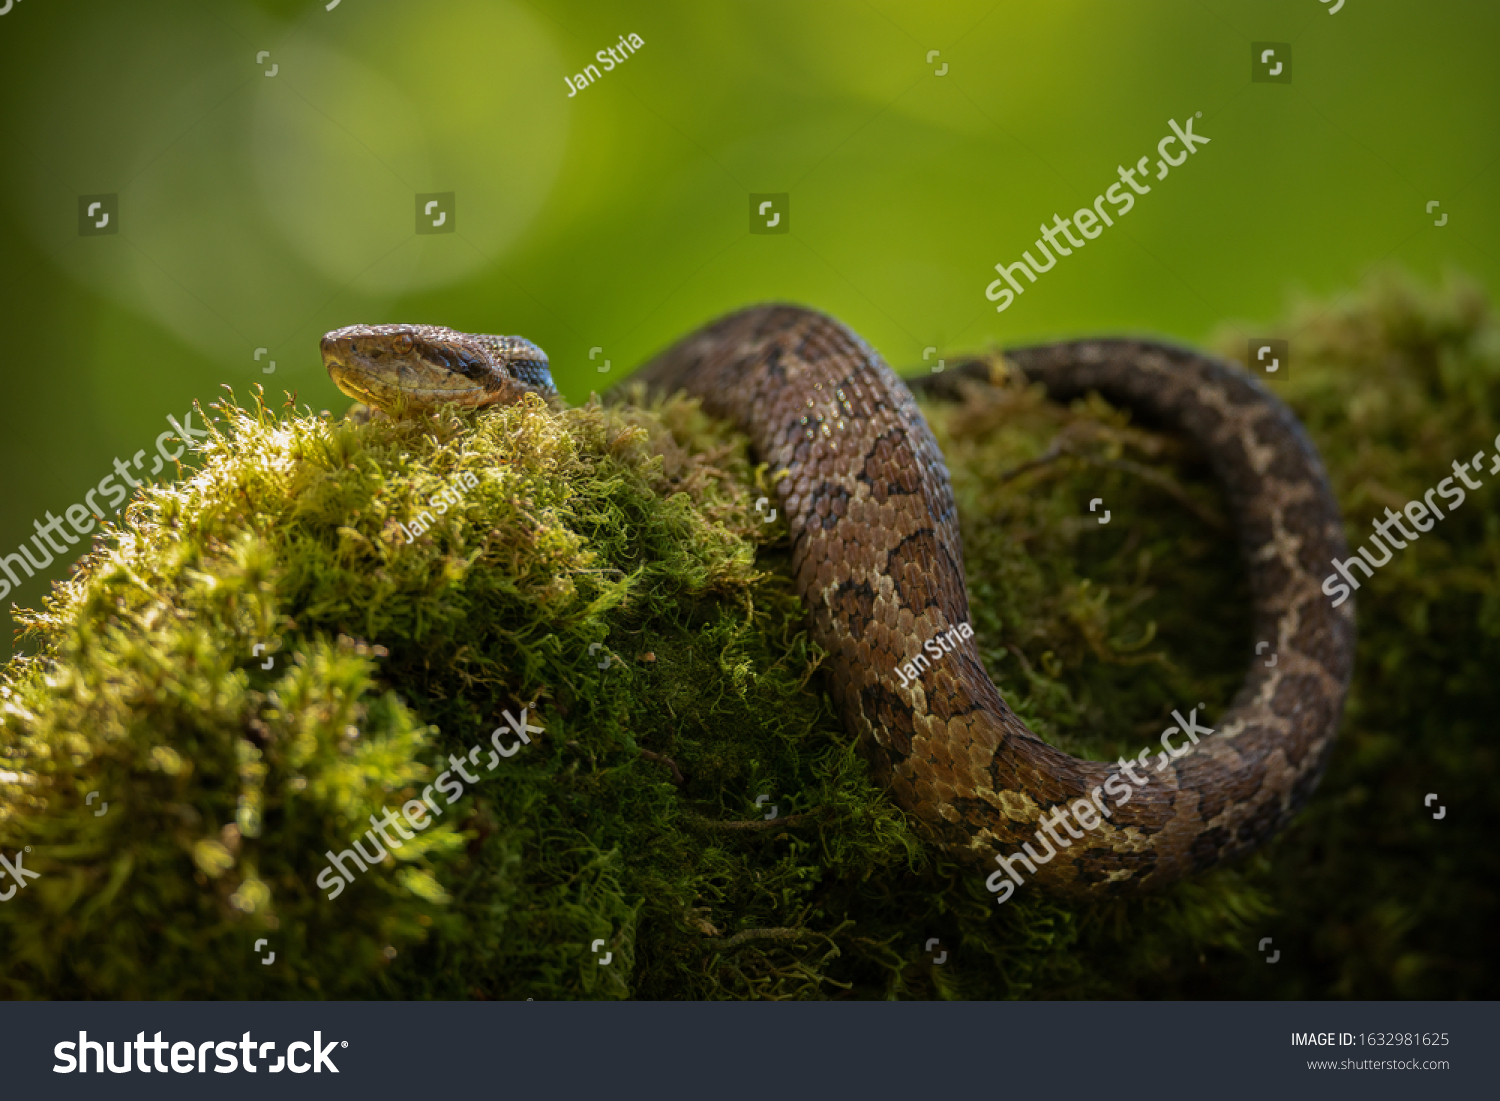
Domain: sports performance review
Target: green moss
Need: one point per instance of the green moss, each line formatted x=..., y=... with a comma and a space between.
x=628, y=538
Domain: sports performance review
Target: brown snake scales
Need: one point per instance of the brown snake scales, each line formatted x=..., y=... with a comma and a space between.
x=877, y=557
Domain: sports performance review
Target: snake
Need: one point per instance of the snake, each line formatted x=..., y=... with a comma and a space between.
x=877, y=559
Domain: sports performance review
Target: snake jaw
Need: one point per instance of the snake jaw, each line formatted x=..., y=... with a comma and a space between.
x=403, y=369
x=397, y=393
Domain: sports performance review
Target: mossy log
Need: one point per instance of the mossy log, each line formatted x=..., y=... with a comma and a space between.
x=320, y=618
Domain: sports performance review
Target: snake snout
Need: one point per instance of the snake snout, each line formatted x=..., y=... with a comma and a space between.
x=333, y=349
x=340, y=359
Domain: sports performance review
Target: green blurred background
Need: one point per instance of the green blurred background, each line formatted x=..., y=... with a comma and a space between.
x=259, y=211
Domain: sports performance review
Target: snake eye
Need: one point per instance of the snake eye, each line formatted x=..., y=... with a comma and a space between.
x=402, y=343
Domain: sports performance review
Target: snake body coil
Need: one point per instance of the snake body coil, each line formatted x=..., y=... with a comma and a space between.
x=877, y=557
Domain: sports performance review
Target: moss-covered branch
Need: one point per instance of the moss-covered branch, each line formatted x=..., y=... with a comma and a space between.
x=274, y=649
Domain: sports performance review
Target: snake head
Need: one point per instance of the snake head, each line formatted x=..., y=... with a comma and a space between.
x=403, y=369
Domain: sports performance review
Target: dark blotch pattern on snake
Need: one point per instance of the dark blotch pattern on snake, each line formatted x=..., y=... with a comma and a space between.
x=877, y=557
